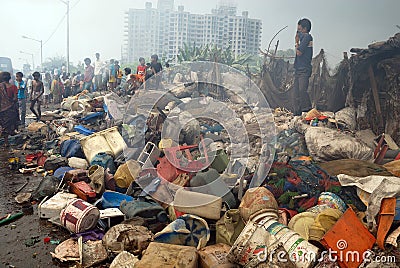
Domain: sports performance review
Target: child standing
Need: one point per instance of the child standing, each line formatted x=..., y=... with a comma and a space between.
x=20, y=84
x=47, y=86
x=36, y=95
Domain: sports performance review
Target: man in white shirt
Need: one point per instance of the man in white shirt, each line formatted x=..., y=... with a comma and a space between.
x=98, y=73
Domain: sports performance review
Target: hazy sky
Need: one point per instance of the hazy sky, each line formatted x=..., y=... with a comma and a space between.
x=97, y=25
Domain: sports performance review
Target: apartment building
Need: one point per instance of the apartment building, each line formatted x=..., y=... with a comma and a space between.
x=163, y=30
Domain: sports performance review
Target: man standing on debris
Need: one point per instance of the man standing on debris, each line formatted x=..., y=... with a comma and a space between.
x=56, y=89
x=20, y=84
x=88, y=76
x=36, y=95
x=76, y=83
x=156, y=67
x=47, y=89
x=98, y=73
x=302, y=66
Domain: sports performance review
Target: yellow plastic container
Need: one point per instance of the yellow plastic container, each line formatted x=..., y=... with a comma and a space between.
x=127, y=173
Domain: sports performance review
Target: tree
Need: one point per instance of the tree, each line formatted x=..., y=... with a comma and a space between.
x=288, y=54
x=54, y=62
x=209, y=52
x=58, y=61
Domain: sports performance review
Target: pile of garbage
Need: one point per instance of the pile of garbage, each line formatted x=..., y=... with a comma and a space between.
x=327, y=200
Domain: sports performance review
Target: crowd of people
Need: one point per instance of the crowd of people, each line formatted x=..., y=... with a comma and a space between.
x=51, y=87
x=108, y=75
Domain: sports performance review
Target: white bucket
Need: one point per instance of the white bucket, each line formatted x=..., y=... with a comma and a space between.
x=263, y=234
x=79, y=216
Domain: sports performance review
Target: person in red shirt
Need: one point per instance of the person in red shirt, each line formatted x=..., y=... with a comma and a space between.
x=8, y=107
x=88, y=76
x=141, y=70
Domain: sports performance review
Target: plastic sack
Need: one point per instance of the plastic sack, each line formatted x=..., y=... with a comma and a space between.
x=146, y=209
x=54, y=162
x=96, y=176
x=229, y=227
x=187, y=230
x=126, y=237
x=47, y=187
x=104, y=160
x=326, y=144
x=347, y=116
x=71, y=148
x=393, y=167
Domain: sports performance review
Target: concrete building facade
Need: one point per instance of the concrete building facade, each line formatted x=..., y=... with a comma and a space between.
x=164, y=30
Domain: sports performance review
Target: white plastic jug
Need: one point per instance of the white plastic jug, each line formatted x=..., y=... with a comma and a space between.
x=203, y=205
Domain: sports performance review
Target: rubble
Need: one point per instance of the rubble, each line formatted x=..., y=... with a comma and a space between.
x=169, y=189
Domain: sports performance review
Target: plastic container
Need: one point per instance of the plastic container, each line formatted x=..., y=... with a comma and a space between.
x=78, y=163
x=301, y=223
x=187, y=230
x=348, y=235
x=208, y=182
x=203, y=205
x=50, y=208
x=264, y=232
x=221, y=161
x=93, y=145
x=104, y=160
x=114, y=199
x=332, y=200
x=79, y=216
x=127, y=173
x=114, y=140
x=215, y=256
x=256, y=199
x=82, y=190
x=159, y=255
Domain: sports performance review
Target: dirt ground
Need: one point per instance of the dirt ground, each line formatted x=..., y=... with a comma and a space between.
x=13, y=251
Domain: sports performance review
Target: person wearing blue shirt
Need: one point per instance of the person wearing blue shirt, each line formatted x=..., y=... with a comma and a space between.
x=112, y=75
x=302, y=66
x=20, y=84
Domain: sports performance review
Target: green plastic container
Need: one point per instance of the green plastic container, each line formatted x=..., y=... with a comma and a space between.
x=221, y=161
